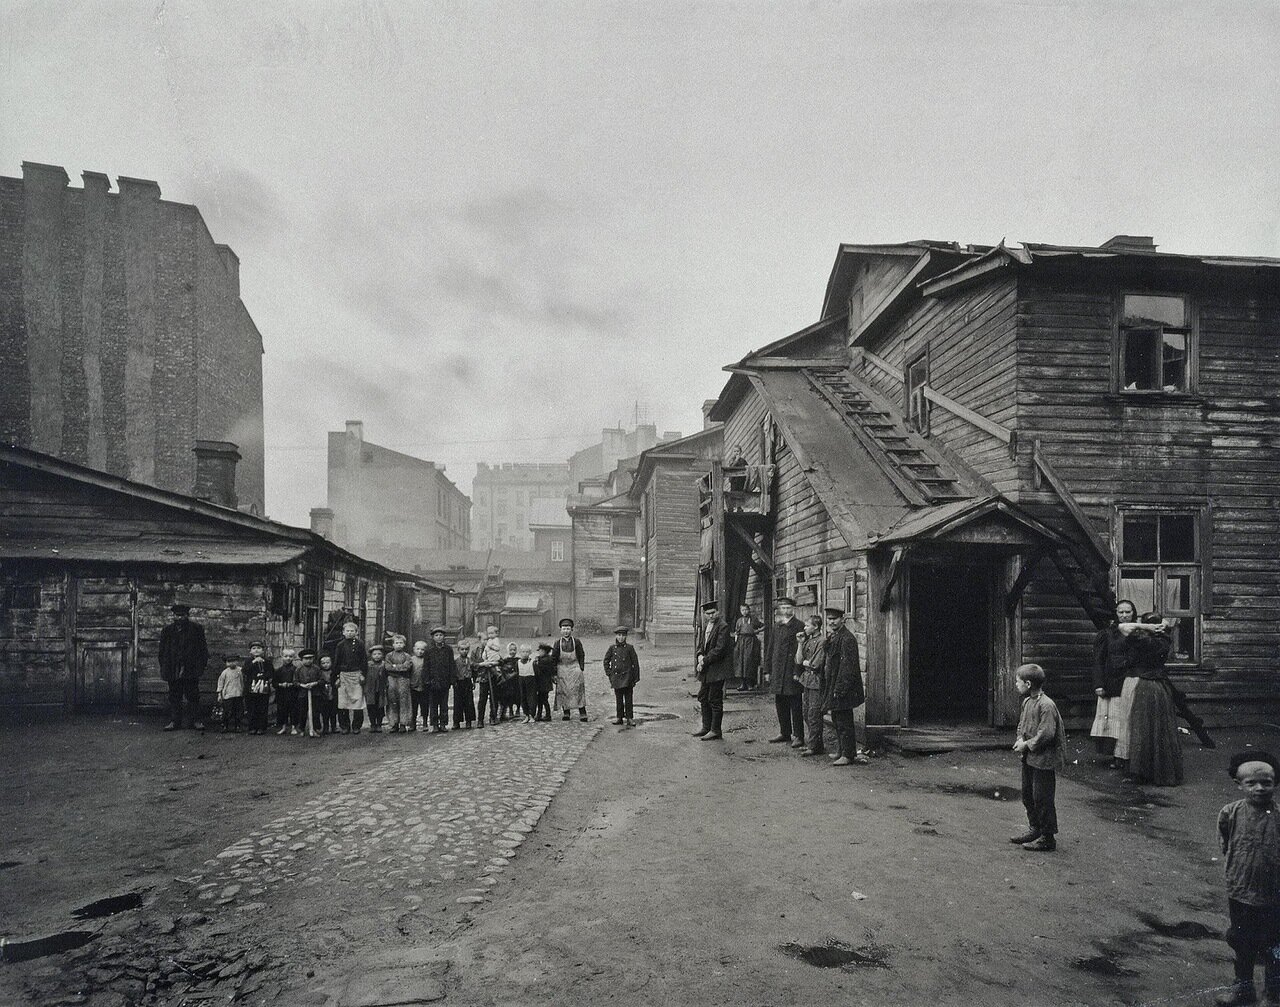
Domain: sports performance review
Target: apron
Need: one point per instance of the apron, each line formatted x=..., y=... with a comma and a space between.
x=571, y=683
x=350, y=691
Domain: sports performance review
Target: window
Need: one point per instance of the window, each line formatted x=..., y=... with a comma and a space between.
x=623, y=526
x=557, y=552
x=601, y=574
x=849, y=597
x=1155, y=343
x=765, y=446
x=1160, y=572
x=917, y=377
x=22, y=596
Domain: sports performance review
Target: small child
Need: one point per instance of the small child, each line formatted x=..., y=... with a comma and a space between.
x=527, y=677
x=811, y=653
x=375, y=687
x=306, y=679
x=231, y=694
x=1041, y=736
x=286, y=692
x=327, y=696
x=464, y=697
x=1249, y=831
x=545, y=669
x=508, y=684
x=485, y=672
x=257, y=688
x=400, y=669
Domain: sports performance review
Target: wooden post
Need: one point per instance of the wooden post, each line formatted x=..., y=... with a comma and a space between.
x=718, y=519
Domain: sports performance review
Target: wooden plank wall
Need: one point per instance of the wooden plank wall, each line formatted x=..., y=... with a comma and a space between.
x=970, y=337
x=594, y=547
x=33, y=648
x=672, y=551
x=1219, y=447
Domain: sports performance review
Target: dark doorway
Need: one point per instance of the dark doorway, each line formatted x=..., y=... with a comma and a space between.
x=627, y=597
x=949, y=650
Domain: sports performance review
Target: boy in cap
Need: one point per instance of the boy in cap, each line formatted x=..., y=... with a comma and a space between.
x=571, y=671
x=464, y=699
x=286, y=692
x=788, y=696
x=842, y=686
x=183, y=656
x=306, y=679
x=375, y=687
x=545, y=672
x=439, y=673
x=622, y=665
x=713, y=666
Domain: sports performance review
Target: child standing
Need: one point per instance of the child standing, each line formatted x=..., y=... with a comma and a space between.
x=286, y=692
x=306, y=679
x=231, y=694
x=327, y=696
x=375, y=687
x=1249, y=831
x=257, y=688
x=622, y=665
x=811, y=655
x=545, y=669
x=1041, y=736
x=400, y=669
x=527, y=676
x=508, y=683
x=464, y=698
x=487, y=673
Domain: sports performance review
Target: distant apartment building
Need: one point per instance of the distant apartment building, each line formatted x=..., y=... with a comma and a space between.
x=503, y=499
x=616, y=443
x=384, y=503
x=123, y=334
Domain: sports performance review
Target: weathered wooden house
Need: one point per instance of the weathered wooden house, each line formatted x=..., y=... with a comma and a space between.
x=91, y=562
x=666, y=489
x=606, y=556
x=977, y=449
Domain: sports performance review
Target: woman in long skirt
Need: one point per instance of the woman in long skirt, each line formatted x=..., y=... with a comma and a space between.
x=1113, y=661
x=746, y=648
x=1155, y=753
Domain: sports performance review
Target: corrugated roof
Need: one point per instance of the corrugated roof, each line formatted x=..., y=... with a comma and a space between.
x=168, y=549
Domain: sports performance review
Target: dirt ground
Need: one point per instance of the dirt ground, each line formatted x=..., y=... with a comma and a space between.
x=663, y=869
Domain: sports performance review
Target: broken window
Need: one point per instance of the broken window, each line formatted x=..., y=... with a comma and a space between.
x=1161, y=573
x=917, y=379
x=1155, y=343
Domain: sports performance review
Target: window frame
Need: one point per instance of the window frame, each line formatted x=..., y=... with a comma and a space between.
x=557, y=546
x=916, y=408
x=1191, y=311
x=615, y=536
x=601, y=575
x=1198, y=569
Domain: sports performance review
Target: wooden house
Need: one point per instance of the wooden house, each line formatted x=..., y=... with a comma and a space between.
x=605, y=556
x=666, y=489
x=975, y=450
x=91, y=562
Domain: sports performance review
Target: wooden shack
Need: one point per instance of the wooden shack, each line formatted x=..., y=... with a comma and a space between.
x=605, y=557
x=90, y=563
x=977, y=449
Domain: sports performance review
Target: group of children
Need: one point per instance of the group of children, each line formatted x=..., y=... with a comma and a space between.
x=330, y=692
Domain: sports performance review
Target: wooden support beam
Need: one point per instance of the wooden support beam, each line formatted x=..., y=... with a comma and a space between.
x=1022, y=580
x=895, y=567
x=1073, y=506
x=765, y=559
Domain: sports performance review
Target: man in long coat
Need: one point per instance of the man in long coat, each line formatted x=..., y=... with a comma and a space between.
x=843, y=684
x=183, y=657
x=714, y=667
x=788, y=695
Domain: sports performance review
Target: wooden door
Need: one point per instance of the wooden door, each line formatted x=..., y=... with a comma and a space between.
x=104, y=642
x=627, y=599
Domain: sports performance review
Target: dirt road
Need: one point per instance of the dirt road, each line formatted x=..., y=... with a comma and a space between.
x=583, y=863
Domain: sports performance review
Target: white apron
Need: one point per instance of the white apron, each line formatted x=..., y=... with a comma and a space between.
x=350, y=691
x=571, y=683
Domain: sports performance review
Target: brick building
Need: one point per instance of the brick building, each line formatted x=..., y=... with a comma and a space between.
x=123, y=333
x=382, y=502
x=616, y=443
x=502, y=497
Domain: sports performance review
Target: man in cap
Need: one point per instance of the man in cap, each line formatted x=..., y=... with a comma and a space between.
x=788, y=694
x=843, y=684
x=438, y=672
x=571, y=671
x=183, y=657
x=714, y=667
x=622, y=665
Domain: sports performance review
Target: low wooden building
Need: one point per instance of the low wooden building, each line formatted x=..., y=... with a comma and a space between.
x=606, y=558
x=666, y=489
x=90, y=563
x=976, y=449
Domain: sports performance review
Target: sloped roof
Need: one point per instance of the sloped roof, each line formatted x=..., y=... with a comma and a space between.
x=167, y=549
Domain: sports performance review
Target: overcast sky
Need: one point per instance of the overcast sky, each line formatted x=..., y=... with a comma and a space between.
x=490, y=229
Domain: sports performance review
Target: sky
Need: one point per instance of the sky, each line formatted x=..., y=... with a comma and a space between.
x=489, y=230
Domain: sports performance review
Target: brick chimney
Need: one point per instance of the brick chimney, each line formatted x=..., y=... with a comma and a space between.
x=322, y=522
x=231, y=262
x=216, y=472
x=355, y=428
x=707, y=406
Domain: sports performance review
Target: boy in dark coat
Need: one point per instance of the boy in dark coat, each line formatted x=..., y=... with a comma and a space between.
x=788, y=695
x=258, y=672
x=544, y=664
x=842, y=682
x=713, y=667
x=183, y=656
x=622, y=665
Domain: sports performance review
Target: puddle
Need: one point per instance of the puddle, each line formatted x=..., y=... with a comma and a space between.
x=6, y=864
x=1101, y=965
x=108, y=907
x=25, y=951
x=834, y=955
x=1185, y=930
x=989, y=791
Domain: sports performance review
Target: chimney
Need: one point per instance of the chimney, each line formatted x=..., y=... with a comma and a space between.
x=355, y=428
x=144, y=188
x=231, y=262
x=1131, y=243
x=96, y=182
x=322, y=522
x=52, y=175
x=707, y=406
x=216, y=472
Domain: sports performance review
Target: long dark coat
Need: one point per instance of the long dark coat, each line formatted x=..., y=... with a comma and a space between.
x=780, y=657
x=746, y=648
x=350, y=655
x=716, y=649
x=842, y=672
x=622, y=665
x=438, y=668
x=183, y=653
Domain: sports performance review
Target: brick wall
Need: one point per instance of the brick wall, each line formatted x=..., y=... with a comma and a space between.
x=123, y=332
